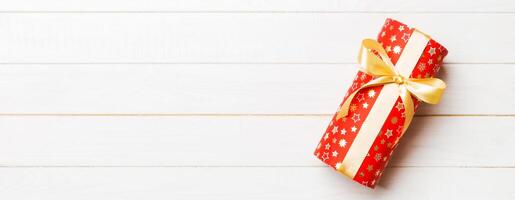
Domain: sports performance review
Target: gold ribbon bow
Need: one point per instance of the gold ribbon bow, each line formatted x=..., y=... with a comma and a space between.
x=428, y=90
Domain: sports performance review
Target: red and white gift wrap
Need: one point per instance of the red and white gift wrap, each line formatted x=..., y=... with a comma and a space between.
x=361, y=144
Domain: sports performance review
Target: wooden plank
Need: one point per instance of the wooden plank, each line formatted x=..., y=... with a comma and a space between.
x=237, y=37
x=251, y=183
x=237, y=141
x=262, y=5
x=227, y=89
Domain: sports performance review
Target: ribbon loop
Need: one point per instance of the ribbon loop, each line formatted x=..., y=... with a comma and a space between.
x=374, y=61
x=371, y=63
x=428, y=90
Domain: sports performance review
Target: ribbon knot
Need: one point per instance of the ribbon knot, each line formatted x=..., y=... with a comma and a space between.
x=374, y=61
x=399, y=79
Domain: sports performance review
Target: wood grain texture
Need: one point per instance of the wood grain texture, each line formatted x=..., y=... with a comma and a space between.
x=262, y=5
x=227, y=89
x=237, y=141
x=250, y=183
x=233, y=37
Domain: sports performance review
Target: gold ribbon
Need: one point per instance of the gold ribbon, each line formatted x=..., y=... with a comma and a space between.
x=374, y=61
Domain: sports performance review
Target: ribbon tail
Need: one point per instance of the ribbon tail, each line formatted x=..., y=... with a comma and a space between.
x=409, y=108
x=344, y=109
x=373, y=64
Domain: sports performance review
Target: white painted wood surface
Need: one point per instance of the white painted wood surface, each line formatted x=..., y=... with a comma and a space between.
x=236, y=141
x=232, y=37
x=226, y=89
x=261, y=5
x=251, y=183
x=227, y=99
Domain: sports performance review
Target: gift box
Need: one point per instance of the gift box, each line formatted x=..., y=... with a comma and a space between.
x=396, y=75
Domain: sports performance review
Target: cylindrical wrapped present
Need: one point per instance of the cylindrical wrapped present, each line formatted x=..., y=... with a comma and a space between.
x=396, y=74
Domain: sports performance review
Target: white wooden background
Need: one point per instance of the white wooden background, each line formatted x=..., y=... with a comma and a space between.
x=227, y=99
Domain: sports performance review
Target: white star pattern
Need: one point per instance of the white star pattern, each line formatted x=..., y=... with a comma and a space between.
x=371, y=93
x=365, y=105
x=361, y=97
x=354, y=86
x=325, y=156
x=432, y=51
x=399, y=106
x=326, y=136
x=363, y=76
x=401, y=28
x=335, y=153
x=353, y=129
x=335, y=129
x=397, y=49
x=405, y=37
x=421, y=66
x=343, y=131
x=338, y=165
x=393, y=38
x=342, y=143
x=377, y=157
x=327, y=146
x=388, y=133
x=355, y=118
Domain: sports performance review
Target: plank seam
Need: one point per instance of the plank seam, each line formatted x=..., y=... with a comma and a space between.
x=240, y=166
x=224, y=63
x=245, y=11
x=217, y=115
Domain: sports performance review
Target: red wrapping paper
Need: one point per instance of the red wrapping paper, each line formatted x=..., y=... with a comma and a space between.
x=340, y=134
